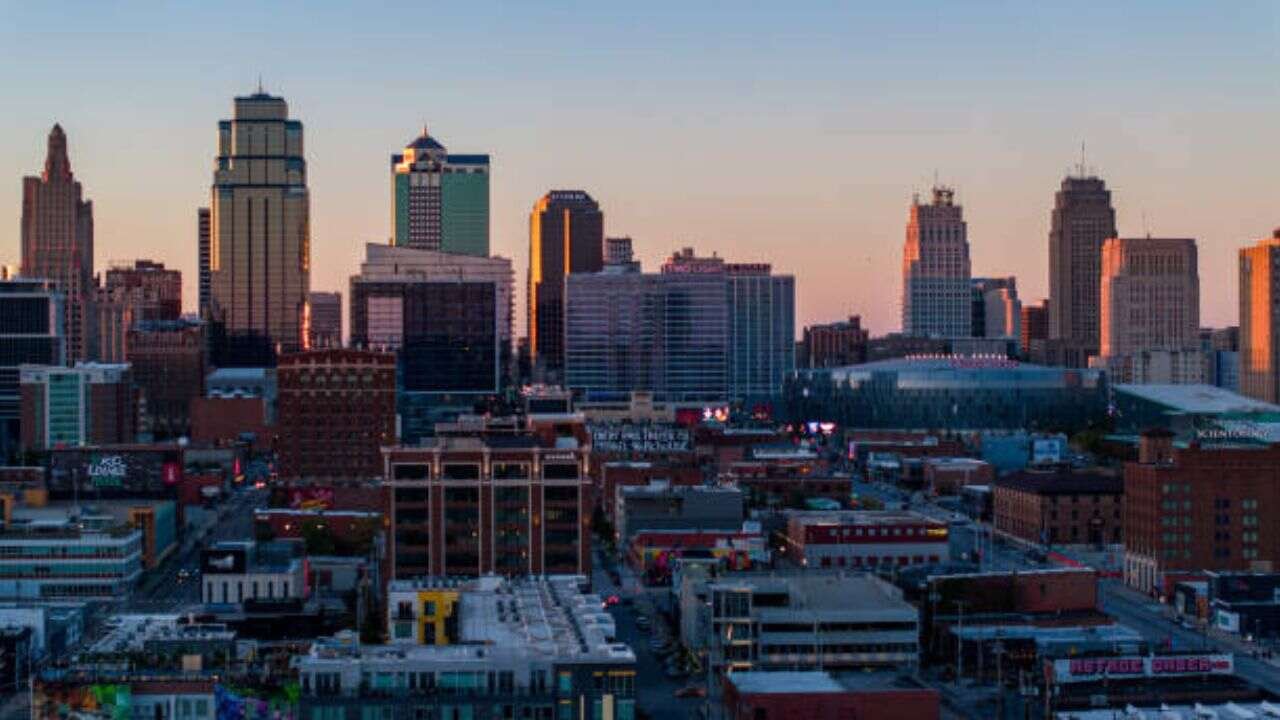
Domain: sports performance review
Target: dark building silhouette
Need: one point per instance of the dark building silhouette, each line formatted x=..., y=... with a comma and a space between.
x=1081, y=222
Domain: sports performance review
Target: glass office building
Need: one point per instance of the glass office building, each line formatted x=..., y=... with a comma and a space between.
x=31, y=332
x=948, y=393
x=440, y=201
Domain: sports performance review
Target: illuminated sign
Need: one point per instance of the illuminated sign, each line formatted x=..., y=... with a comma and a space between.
x=107, y=471
x=1077, y=670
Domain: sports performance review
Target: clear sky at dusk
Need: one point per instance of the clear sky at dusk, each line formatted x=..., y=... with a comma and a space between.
x=786, y=132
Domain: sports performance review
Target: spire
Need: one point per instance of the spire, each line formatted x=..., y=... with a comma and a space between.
x=56, y=163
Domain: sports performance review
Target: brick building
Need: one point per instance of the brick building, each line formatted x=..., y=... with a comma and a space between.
x=864, y=539
x=818, y=695
x=1060, y=508
x=633, y=473
x=89, y=404
x=508, y=503
x=1199, y=508
x=834, y=344
x=224, y=420
x=155, y=289
x=947, y=475
x=168, y=359
x=335, y=411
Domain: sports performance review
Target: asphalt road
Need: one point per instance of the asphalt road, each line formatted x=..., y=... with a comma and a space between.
x=164, y=589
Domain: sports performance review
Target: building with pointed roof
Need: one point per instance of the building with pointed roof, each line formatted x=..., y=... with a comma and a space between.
x=439, y=201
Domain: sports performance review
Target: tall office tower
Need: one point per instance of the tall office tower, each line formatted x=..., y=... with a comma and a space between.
x=935, y=269
x=57, y=240
x=326, y=320
x=158, y=289
x=1150, y=322
x=440, y=201
x=566, y=235
x=1081, y=222
x=1259, y=321
x=31, y=332
x=762, y=322
x=203, y=241
x=997, y=312
x=114, y=312
x=260, y=237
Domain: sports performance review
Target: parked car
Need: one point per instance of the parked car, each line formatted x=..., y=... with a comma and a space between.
x=691, y=691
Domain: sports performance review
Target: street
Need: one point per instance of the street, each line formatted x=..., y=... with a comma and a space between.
x=165, y=589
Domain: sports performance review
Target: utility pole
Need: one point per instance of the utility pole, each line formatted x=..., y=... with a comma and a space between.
x=960, y=643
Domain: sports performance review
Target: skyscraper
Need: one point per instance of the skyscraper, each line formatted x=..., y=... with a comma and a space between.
x=31, y=332
x=566, y=235
x=440, y=201
x=326, y=320
x=1150, y=323
x=997, y=312
x=57, y=240
x=203, y=241
x=1081, y=222
x=935, y=269
x=260, y=237
x=1259, y=321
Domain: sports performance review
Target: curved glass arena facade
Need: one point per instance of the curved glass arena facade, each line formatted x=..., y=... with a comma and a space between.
x=948, y=393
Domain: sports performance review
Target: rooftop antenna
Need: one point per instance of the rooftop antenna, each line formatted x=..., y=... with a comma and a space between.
x=260, y=91
x=1081, y=166
x=1145, y=229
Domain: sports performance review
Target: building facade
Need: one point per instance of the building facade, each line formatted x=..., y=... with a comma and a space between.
x=1259, y=321
x=864, y=540
x=931, y=393
x=1034, y=325
x=168, y=362
x=204, y=246
x=157, y=289
x=480, y=503
x=440, y=201
x=935, y=269
x=260, y=234
x=1199, y=508
x=1057, y=508
x=1081, y=222
x=65, y=560
x=667, y=334
x=1150, y=298
x=834, y=344
x=336, y=410
x=536, y=648
x=57, y=241
x=326, y=320
x=89, y=404
x=996, y=310
x=31, y=333
x=566, y=236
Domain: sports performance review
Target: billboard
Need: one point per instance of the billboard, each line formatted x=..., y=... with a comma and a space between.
x=106, y=472
x=655, y=438
x=1079, y=670
x=228, y=561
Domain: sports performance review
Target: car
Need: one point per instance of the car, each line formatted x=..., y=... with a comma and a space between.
x=184, y=574
x=691, y=691
x=611, y=601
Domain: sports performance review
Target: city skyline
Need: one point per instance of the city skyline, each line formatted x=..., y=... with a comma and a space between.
x=1189, y=160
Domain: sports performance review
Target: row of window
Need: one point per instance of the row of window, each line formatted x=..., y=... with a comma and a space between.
x=873, y=561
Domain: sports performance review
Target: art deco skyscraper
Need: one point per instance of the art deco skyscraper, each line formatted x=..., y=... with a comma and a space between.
x=57, y=240
x=935, y=270
x=1259, y=321
x=260, y=239
x=566, y=235
x=1081, y=222
x=440, y=201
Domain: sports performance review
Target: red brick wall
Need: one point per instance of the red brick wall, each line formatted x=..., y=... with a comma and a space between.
x=904, y=704
x=217, y=421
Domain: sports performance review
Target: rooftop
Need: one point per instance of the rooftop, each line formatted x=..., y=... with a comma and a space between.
x=1062, y=483
x=499, y=620
x=859, y=517
x=814, y=681
x=130, y=633
x=1197, y=399
x=823, y=594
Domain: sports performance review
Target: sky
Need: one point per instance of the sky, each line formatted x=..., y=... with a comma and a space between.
x=792, y=133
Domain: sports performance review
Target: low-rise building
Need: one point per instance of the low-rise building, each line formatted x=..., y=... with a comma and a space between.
x=800, y=620
x=660, y=506
x=947, y=475
x=484, y=648
x=864, y=539
x=819, y=694
x=248, y=573
x=48, y=554
x=1060, y=507
x=653, y=553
